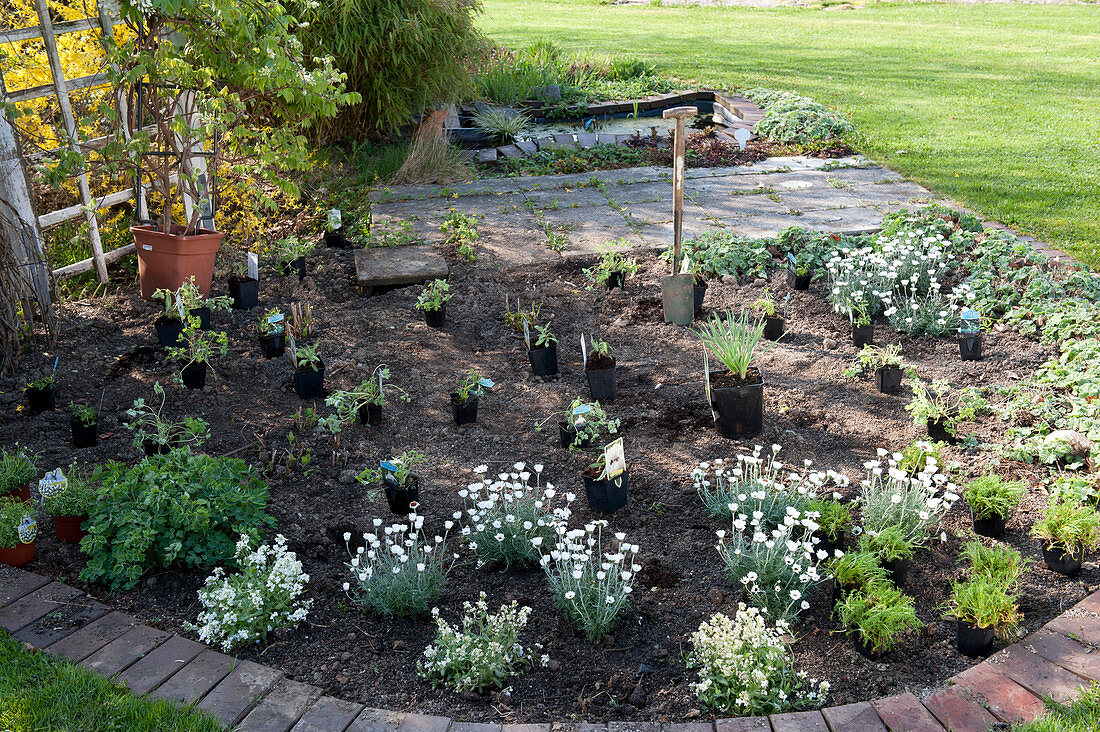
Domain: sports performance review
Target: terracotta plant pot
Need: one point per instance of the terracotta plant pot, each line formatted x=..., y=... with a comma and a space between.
x=18, y=555
x=166, y=261
x=23, y=492
x=68, y=528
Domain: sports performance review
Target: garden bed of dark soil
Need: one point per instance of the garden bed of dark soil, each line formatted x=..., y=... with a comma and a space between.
x=637, y=673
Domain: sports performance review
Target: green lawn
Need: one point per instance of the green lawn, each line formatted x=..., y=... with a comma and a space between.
x=39, y=693
x=996, y=106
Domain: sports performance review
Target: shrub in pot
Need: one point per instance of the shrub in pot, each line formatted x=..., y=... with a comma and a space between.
x=613, y=267
x=599, y=370
x=877, y=618
x=543, y=353
x=195, y=356
x=41, y=394
x=291, y=255
x=737, y=395
x=886, y=363
x=583, y=425
x=396, y=476
x=606, y=493
x=775, y=324
x=69, y=506
x=365, y=402
x=156, y=435
x=433, y=301
x=17, y=531
x=85, y=425
x=992, y=500
x=1068, y=530
x=309, y=372
x=894, y=550
x=17, y=470
x=464, y=400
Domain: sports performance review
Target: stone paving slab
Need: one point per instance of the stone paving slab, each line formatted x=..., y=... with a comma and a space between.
x=328, y=714
x=36, y=605
x=743, y=724
x=281, y=708
x=238, y=692
x=159, y=664
x=688, y=727
x=842, y=221
x=905, y=713
x=819, y=198
x=557, y=198
x=799, y=722
x=958, y=712
x=1065, y=652
x=755, y=204
x=84, y=642
x=860, y=717
x=1078, y=623
x=398, y=266
x=125, y=650
x=1036, y=674
x=192, y=682
x=376, y=720
x=15, y=583
x=474, y=727
x=622, y=194
x=66, y=619
x=423, y=723
x=1007, y=700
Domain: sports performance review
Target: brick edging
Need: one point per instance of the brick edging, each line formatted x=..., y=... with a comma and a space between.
x=1056, y=661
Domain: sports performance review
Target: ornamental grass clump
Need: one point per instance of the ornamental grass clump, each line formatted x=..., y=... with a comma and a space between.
x=16, y=469
x=505, y=514
x=590, y=583
x=915, y=504
x=263, y=595
x=992, y=495
x=400, y=572
x=483, y=653
x=857, y=571
x=878, y=616
x=1002, y=565
x=1073, y=528
x=745, y=667
x=735, y=341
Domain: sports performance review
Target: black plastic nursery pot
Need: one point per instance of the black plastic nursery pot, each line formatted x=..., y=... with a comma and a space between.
x=970, y=347
x=370, y=414
x=295, y=267
x=41, y=400
x=615, y=279
x=797, y=281
x=606, y=496
x=273, y=346
x=829, y=545
x=937, y=431
x=194, y=376
x=600, y=372
x=863, y=335
x=464, y=412
x=245, y=292
x=544, y=361
x=898, y=570
x=168, y=331
x=973, y=641
x=888, y=379
x=699, y=294
x=567, y=433
x=739, y=404
x=84, y=435
x=336, y=238
x=309, y=383
x=992, y=526
x=152, y=447
x=865, y=650
x=401, y=497
x=203, y=314
x=774, y=327
x=436, y=318
x=1062, y=562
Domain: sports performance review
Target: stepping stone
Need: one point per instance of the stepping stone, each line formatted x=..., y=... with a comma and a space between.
x=743, y=724
x=487, y=156
x=122, y=652
x=15, y=583
x=526, y=728
x=860, y=717
x=586, y=140
x=398, y=266
x=958, y=713
x=527, y=147
x=281, y=709
x=328, y=714
x=799, y=722
x=84, y=642
x=38, y=604
x=60, y=623
x=238, y=692
x=161, y=663
x=376, y=720
x=565, y=140
x=1007, y=700
x=423, y=723
x=1036, y=674
x=196, y=679
x=510, y=151
x=905, y=713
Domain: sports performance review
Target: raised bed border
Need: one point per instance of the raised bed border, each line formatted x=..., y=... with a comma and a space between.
x=1008, y=687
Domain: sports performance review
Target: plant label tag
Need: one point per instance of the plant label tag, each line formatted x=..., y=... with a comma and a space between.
x=526, y=333
x=179, y=309
x=379, y=383
x=28, y=529
x=791, y=262
x=253, y=265
x=53, y=483
x=487, y=383
x=742, y=136
x=706, y=384
x=388, y=466
x=584, y=351
x=335, y=221
x=293, y=348
x=147, y=247
x=685, y=266
x=786, y=304
x=614, y=457
x=277, y=321
x=582, y=409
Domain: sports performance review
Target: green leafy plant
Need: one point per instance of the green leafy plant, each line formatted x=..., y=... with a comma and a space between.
x=872, y=358
x=543, y=337
x=789, y=117
x=612, y=262
x=589, y=421
x=719, y=254
x=291, y=248
x=434, y=296
x=371, y=390
x=80, y=493
x=268, y=328
x=734, y=340
x=461, y=233
x=992, y=495
x=199, y=347
x=879, y=615
x=937, y=402
x=834, y=518
x=404, y=465
x=12, y=511
x=599, y=348
x=859, y=570
x=389, y=233
x=306, y=357
x=1071, y=527
x=178, y=508
x=85, y=414
x=149, y=424
x=188, y=297
x=984, y=604
x=45, y=382
x=1001, y=565
x=17, y=467
x=764, y=304
x=471, y=385
x=889, y=545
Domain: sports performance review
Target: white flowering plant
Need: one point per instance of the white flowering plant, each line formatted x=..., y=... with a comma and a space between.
x=481, y=654
x=915, y=503
x=400, y=572
x=745, y=667
x=504, y=514
x=591, y=583
x=265, y=594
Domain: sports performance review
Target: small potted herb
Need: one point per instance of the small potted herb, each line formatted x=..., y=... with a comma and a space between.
x=69, y=507
x=156, y=435
x=365, y=401
x=981, y=607
x=244, y=291
x=855, y=571
x=886, y=363
x=992, y=500
x=940, y=411
x=187, y=299
x=464, y=400
x=402, y=486
x=85, y=424
x=17, y=470
x=17, y=532
x=272, y=329
x=584, y=424
x=736, y=395
x=41, y=394
x=834, y=519
x=309, y=372
x=433, y=301
x=197, y=352
x=774, y=325
x=863, y=330
x=970, y=336
x=876, y=618
x=799, y=273
x=543, y=351
x=599, y=369
x=606, y=493
x=291, y=255
x=613, y=266
x=893, y=550
x=1067, y=530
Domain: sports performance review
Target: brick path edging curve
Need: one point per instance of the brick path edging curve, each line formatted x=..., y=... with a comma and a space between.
x=1055, y=661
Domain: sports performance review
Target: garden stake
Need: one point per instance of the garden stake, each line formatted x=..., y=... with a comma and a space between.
x=678, y=289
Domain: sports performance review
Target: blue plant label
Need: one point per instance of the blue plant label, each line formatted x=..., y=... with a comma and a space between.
x=791, y=259
x=389, y=466
x=582, y=409
x=28, y=529
x=487, y=383
x=970, y=314
x=53, y=483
